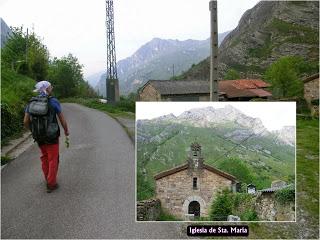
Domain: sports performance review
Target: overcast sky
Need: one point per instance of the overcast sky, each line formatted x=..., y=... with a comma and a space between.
x=274, y=115
x=78, y=26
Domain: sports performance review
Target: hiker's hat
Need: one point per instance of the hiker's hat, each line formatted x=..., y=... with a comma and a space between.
x=42, y=86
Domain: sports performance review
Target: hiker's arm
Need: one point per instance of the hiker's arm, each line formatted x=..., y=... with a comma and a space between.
x=26, y=120
x=63, y=123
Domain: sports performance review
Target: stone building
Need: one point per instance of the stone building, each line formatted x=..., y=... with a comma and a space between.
x=311, y=93
x=194, y=90
x=187, y=191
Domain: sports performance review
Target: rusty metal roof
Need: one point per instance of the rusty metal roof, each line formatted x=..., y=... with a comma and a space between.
x=231, y=88
x=246, y=83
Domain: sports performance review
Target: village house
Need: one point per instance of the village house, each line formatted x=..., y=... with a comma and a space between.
x=187, y=191
x=194, y=90
x=311, y=93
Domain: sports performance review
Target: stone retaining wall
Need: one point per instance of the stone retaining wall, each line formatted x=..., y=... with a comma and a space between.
x=269, y=209
x=148, y=210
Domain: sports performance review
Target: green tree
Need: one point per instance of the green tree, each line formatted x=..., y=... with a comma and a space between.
x=25, y=54
x=66, y=76
x=232, y=75
x=284, y=76
x=238, y=169
x=221, y=206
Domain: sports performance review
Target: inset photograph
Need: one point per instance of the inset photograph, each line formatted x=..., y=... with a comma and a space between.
x=215, y=161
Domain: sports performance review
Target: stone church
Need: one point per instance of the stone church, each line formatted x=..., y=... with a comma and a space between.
x=187, y=191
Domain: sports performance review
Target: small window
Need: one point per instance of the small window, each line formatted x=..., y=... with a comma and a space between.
x=195, y=183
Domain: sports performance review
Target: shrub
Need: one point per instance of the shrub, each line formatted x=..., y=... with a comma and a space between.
x=232, y=74
x=249, y=215
x=221, y=206
x=16, y=91
x=285, y=195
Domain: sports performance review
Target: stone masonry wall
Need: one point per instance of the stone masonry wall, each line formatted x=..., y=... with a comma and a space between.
x=176, y=191
x=148, y=210
x=269, y=209
x=149, y=94
x=311, y=90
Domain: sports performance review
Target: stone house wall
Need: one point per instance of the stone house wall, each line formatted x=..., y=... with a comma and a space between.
x=269, y=209
x=149, y=94
x=176, y=191
x=311, y=90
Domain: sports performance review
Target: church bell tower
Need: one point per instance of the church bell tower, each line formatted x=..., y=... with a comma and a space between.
x=195, y=159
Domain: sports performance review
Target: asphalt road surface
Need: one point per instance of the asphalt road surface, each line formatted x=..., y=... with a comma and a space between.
x=96, y=198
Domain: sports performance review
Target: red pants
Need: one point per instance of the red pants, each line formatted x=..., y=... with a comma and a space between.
x=50, y=162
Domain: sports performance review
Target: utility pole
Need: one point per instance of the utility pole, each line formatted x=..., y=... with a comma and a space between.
x=112, y=84
x=214, y=87
x=27, y=39
x=173, y=70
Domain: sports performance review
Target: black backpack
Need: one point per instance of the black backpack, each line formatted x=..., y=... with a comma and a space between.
x=43, y=122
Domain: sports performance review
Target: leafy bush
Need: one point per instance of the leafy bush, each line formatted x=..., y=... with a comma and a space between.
x=285, y=195
x=239, y=204
x=32, y=63
x=284, y=77
x=221, y=206
x=232, y=74
x=249, y=215
x=16, y=91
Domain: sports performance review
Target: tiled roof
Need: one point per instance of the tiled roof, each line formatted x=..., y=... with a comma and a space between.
x=185, y=166
x=176, y=87
x=273, y=189
x=231, y=88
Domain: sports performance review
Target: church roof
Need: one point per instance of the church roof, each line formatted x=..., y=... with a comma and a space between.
x=185, y=166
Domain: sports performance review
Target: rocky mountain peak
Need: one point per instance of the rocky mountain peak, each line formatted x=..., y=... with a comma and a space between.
x=265, y=33
x=286, y=135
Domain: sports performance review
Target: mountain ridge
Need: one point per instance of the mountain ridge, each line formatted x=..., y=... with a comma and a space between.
x=266, y=32
x=155, y=60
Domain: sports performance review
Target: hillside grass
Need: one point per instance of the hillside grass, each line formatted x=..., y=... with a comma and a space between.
x=295, y=33
x=16, y=91
x=256, y=166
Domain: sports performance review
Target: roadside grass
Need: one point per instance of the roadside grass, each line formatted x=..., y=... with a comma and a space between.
x=16, y=91
x=124, y=108
x=307, y=189
x=5, y=159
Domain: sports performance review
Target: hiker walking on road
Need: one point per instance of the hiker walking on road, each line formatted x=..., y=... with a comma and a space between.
x=40, y=118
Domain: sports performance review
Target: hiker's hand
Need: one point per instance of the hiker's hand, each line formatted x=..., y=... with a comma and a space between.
x=66, y=133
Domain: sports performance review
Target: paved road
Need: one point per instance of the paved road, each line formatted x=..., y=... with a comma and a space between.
x=96, y=198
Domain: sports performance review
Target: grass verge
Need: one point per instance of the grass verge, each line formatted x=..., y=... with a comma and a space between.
x=125, y=109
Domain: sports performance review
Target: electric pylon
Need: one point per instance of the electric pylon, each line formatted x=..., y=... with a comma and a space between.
x=112, y=84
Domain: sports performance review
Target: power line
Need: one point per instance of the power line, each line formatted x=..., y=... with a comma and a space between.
x=238, y=145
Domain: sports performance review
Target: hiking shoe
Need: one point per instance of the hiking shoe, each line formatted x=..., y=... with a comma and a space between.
x=50, y=189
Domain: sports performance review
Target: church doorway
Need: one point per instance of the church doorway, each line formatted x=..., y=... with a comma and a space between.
x=194, y=208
